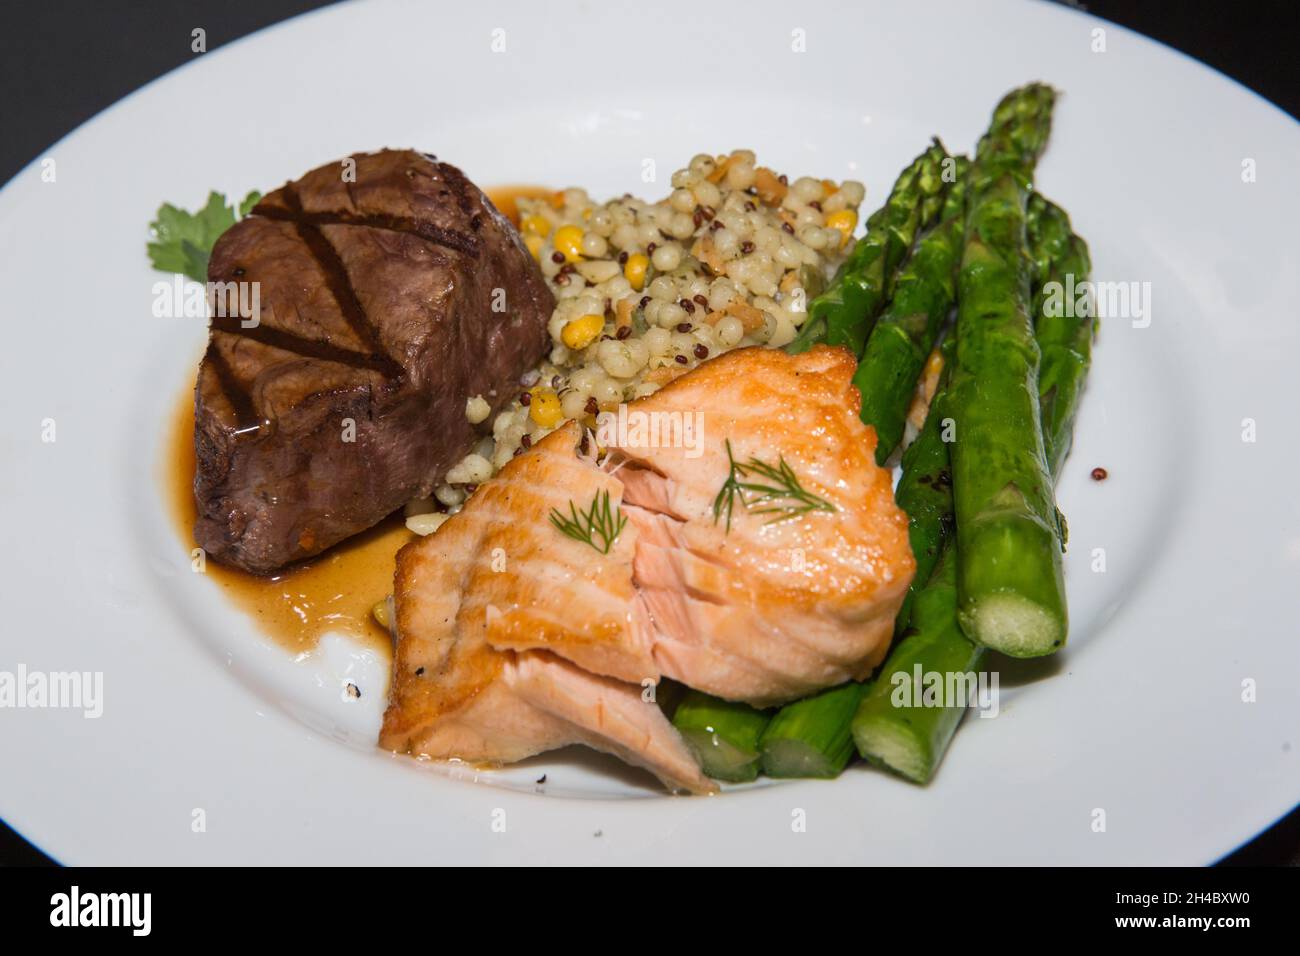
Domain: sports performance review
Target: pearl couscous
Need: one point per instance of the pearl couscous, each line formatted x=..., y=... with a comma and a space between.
x=647, y=291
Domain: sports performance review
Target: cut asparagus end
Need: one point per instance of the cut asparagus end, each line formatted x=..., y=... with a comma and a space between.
x=892, y=745
x=721, y=759
x=811, y=737
x=798, y=758
x=723, y=735
x=1013, y=625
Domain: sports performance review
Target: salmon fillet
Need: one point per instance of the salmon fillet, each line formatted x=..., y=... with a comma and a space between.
x=514, y=638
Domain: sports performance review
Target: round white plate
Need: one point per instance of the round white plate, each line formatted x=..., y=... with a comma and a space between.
x=1173, y=714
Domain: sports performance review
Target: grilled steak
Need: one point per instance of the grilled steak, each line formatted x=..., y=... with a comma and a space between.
x=387, y=299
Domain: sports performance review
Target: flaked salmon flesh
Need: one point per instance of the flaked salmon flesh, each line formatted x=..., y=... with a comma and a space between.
x=515, y=638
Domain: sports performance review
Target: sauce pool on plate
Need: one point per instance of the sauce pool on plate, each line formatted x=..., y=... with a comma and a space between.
x=332, y=592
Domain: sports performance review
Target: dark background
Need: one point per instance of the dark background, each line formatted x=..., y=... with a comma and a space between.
x=61, y=62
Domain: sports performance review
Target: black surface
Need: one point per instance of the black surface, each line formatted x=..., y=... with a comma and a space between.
x=61, y=62
x=236, y=908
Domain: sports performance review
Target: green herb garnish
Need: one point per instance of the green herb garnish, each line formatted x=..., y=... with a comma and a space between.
x=183, y=240
x=784, y=497
x=599, y=522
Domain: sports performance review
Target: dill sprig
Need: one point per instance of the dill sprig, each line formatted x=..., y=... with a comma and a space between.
x=601, y=522
x=785, y=497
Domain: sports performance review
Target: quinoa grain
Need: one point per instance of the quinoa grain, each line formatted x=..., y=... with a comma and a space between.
x=718, y=264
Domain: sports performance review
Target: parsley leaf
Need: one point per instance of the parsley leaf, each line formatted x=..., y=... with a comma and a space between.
x=251, y=200
x=183, y=240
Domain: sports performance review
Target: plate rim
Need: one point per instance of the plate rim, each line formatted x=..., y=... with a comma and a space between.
x=12, y=185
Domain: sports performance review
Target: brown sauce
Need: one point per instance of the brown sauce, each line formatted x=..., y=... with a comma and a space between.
x=334, y=591
x=506, y=198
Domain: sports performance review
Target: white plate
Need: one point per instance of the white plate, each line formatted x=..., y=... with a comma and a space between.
x=1142, y=716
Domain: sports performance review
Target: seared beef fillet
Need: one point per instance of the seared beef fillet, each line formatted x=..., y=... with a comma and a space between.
x=376, y=325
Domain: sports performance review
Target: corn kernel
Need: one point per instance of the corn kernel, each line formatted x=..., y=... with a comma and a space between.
x=537, y=225
x=534, y=243
x=634, y=270
x=544, y=407
x=582, y=331
x=846, y=220
x=568, y=240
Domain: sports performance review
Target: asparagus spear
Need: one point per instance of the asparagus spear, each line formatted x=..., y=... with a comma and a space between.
x=723, y=734
x=1064, y=338
x=924, y=490
x=1011, y=592
x=844, y=313
x=905, y=333
x=911, y=739
x=1048, y=233
x=812, y=737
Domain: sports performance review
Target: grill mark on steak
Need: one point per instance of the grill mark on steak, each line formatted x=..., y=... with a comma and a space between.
x=461, y=242
x=246, y=418
x=460, y=186
x=307, y=348
x=340, y=285
x=352, y=193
